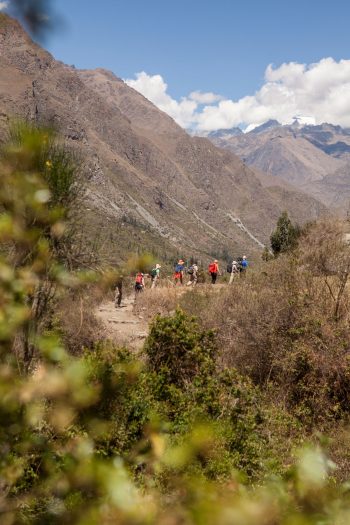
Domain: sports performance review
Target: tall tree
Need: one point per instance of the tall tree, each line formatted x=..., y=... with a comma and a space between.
x=285, y=236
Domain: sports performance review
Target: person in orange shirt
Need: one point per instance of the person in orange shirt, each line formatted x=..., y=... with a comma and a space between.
x=214, y=271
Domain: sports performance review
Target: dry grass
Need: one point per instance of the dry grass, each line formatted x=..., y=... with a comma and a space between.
x=76, y=322
x=164, y=300
x=160, y=301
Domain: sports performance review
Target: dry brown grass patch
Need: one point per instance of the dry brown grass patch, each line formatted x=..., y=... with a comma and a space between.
x=76, y=321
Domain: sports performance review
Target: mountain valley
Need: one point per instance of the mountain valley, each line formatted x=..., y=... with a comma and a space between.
x=150, y=186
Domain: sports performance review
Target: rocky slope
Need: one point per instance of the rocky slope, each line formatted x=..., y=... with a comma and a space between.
x=150, y=185
x=312, y=158
x=334, y=190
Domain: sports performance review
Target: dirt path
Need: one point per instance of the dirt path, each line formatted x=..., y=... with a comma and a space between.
x=129, y=328
x=122, y=325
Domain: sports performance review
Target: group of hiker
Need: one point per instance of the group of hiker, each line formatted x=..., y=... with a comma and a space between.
x=180, y=270
x=234, y=268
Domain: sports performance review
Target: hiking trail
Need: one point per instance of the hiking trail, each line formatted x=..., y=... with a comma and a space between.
x=122, y=325
x=126, y=327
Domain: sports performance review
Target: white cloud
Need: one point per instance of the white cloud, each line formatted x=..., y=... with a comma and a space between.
x=154, y=88
x=204, y=98
x=320, y=91
x=3, y=5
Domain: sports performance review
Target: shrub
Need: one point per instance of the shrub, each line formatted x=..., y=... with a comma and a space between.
x=177, y=347
x=124, y=401
x=188, y=387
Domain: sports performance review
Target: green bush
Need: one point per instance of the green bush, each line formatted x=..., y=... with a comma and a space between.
x=188, y=387
x=123, y=404
x=177, y=348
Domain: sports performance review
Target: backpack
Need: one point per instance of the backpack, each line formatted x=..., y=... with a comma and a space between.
x=190, y=270
x=138, y=278
x=229, y=268
x=239, y=264
x=154, y=272
x=212, y=268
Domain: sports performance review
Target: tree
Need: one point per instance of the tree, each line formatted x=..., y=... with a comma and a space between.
x=285, y=236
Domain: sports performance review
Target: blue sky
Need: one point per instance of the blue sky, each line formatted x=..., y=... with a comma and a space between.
x=222, y=46
x=219, y=64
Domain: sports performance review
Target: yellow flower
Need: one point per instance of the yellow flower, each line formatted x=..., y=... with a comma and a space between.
x=48, y=164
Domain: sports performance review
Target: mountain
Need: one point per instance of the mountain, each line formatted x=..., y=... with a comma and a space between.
x=306, y=156
x=270, y=124
x=333, y=140
x=217, y=134
x=225, y=133
x=150, y=185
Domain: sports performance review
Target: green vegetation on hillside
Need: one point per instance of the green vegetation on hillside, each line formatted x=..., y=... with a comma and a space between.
x=213, y=423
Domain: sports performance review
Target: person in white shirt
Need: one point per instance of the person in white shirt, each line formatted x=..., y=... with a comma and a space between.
x=234, y=271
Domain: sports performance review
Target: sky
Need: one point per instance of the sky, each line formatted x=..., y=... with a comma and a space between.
x=218, y=64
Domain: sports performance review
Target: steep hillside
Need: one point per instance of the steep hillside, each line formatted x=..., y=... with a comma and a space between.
x=334, y=189
x=167, y=134
x=150, y=185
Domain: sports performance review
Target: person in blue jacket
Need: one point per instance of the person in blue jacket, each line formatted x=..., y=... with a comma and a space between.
x=244, y=264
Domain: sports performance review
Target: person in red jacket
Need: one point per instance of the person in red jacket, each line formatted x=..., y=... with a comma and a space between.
x=139, y=282
x=214, y=271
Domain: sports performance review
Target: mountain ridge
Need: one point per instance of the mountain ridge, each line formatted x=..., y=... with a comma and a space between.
x=149, y=183
x=307, y=156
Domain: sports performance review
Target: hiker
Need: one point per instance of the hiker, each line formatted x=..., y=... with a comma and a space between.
x=244, y=265
x=213, y=270
x=179, y=272
x=139, y=282
x=118, y=292
x=193, y=273
x=233, y=270
x=155, y=275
